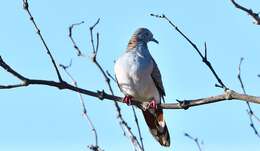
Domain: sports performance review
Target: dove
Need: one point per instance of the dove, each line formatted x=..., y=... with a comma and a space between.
x=139, y=79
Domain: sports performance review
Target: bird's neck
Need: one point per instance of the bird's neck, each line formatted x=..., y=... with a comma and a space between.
x=136, y=45
x=142, y=49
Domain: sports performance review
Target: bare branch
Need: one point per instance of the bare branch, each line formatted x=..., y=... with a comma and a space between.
x=196, y=140
x=111, y=77
x=250, y=12
x=251, y=115
x=249, y=111
x=122, y=122
x=185, y=104
x=204, y=58
x=239, y=75
x=26, y=8
x=79, y=53
x=138, y=128
x=135, y=116
x=95, y=49
x=227, y=95
x=84, y=109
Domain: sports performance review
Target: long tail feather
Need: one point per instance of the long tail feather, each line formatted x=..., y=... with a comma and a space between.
x=157, y=126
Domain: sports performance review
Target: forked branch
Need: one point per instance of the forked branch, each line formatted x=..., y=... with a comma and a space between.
x=185, y=104
x=250, y=12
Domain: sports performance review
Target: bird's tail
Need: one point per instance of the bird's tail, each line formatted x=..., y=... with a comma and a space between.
x=157, y=126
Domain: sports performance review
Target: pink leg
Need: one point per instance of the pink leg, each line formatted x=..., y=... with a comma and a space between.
x=127, y=99
x=153, y=104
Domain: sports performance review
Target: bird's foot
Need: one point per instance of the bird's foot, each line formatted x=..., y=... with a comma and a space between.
x=152, y=104
x=128, y=99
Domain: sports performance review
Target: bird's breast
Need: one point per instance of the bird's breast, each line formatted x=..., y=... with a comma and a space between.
x=133, y=72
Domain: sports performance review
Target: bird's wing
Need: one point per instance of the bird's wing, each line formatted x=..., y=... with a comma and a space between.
x=157, y=78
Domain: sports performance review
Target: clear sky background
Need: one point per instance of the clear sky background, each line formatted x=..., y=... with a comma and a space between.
x=44, y=118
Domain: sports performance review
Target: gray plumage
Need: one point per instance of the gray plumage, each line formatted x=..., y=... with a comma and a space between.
x=138, y=76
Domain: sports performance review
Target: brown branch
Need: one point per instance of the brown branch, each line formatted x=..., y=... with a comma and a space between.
x=138, y=128
x=250, y=12
x=135, y=116
x=79, y=53
x=204, y=58
x=26, y=8
x=185, y=104
x=250, y=112
x=84, y=109
x=196, y=140
x=126, y=129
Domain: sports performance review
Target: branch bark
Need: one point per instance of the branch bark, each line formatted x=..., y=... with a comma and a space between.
x=101, y=94
x=250, y=12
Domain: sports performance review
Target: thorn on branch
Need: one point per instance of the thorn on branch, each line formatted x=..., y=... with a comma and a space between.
x=101, y=94
x=184, y=104
x=66, y=66
x=94, y=148
x=205, y=50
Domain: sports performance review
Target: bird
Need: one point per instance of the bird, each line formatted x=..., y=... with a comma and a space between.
x=139, y=78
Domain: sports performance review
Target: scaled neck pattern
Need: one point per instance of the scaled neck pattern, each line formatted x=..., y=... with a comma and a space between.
x=136, y=45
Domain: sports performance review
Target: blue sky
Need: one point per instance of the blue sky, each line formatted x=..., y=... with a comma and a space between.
x=44, y=118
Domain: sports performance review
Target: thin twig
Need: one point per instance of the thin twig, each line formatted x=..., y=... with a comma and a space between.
x=135, y=116
x=196, y=140
x=26, y=8
x=111, y=77
x=204, y=58
x=79, y=53
x=239, y=75
x=84, y=109
x=101, y=94
x=249, y=110
x=138, y=128
x=122, y=122
x=250, y=12
x=94, y=49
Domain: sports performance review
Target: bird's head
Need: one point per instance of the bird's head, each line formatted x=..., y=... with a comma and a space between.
x=145, y=35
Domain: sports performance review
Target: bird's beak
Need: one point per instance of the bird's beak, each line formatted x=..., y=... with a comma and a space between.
x=154, y=40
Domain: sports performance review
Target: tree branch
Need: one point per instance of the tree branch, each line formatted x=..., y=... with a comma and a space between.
x=250, y=12
x=138, y=128
x=79, y=53
x=196, y=140
x=84, y=109
x=185, y=104
x=204, y=58
x=26, y=8
x=126, y=129
x=250, y=112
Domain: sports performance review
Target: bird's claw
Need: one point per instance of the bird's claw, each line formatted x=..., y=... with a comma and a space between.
x=128, y=100
x=152, y=104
